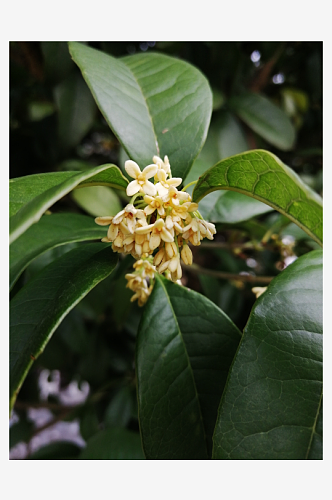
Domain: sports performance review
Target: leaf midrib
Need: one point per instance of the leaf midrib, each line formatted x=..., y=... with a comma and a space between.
x=314, y=425
x=188, y=361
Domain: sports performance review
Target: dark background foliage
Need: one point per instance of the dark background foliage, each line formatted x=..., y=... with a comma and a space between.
x=55, y=125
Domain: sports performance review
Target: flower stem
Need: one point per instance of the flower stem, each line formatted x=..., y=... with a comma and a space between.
x=190, y=184
x=134, y=198
x=249, y=278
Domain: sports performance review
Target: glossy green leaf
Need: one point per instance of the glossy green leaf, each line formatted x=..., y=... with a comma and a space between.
x=185, y=346
x=76, y=110
x=97, y=200
x=265, y=118
x=155, y=104
x=261, y=175
x=271, y=406
x=40, y=306
x=113, y=444
x=230, y=207
x=32, y=195
x=49, y=232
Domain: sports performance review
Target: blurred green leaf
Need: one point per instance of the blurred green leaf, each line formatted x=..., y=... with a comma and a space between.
x=97, y=200
x=231, y=139
x=185, y=347
x=59, y=450
x=263, y=176
x=76, y=110
x=271, y=406
x=57, y=61
x=89, y=423
x=38, y=110
x=21, y=431
x=265, y=118
x=113, y=444
x=49, y=232
x=225, y=138
x=155, y=104
x=32, y=195
x=119, y=411
x=40, y=306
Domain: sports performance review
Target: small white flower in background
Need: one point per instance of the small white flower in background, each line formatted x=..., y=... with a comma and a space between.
x=155, y=227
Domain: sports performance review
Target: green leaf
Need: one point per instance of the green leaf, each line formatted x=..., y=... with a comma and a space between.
x=225, y=138
x=97, y=200
x=49, y=232
x=57, y=63
x=265, y=118
x=89, y=423
x=113, y=444
x=271, y=406
x=230, y=207
x=261, y=175
x=20, y=432
x=76, y=110
x=40, y=306
x=231, y=139
x=32, y=195
x=59, y=450
x=185, y=346
x=119, y=411
x=155, y=104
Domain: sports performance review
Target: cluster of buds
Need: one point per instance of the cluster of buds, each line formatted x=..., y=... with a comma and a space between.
x=156, y=226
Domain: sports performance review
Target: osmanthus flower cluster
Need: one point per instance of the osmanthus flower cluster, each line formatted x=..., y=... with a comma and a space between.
x=156, y=226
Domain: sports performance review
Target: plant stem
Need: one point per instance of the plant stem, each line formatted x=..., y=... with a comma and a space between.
x=190, y=184
x=194, y=268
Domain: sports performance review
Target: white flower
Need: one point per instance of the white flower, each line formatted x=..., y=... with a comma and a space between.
x=141, y=183
x=154, y=204
x=173, y=197
x=104, y=221
x=164, y=184
x=158, y=233
x=186, y=255
x=162, y=164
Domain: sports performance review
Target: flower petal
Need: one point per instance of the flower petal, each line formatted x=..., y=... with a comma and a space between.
x=132, y=169
x=162, y=191
x=112, y=232
x=150, y=171
x=173, y=264
x=118, y=217
x=149, y=188
x=144, y=229
x=131, y=223
x=154, y=241
x=162, y=176
x=174, y=181
x=149, y=210
x=103, y=221
x=133, y=188
x=166, y=235
x=161, y=211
